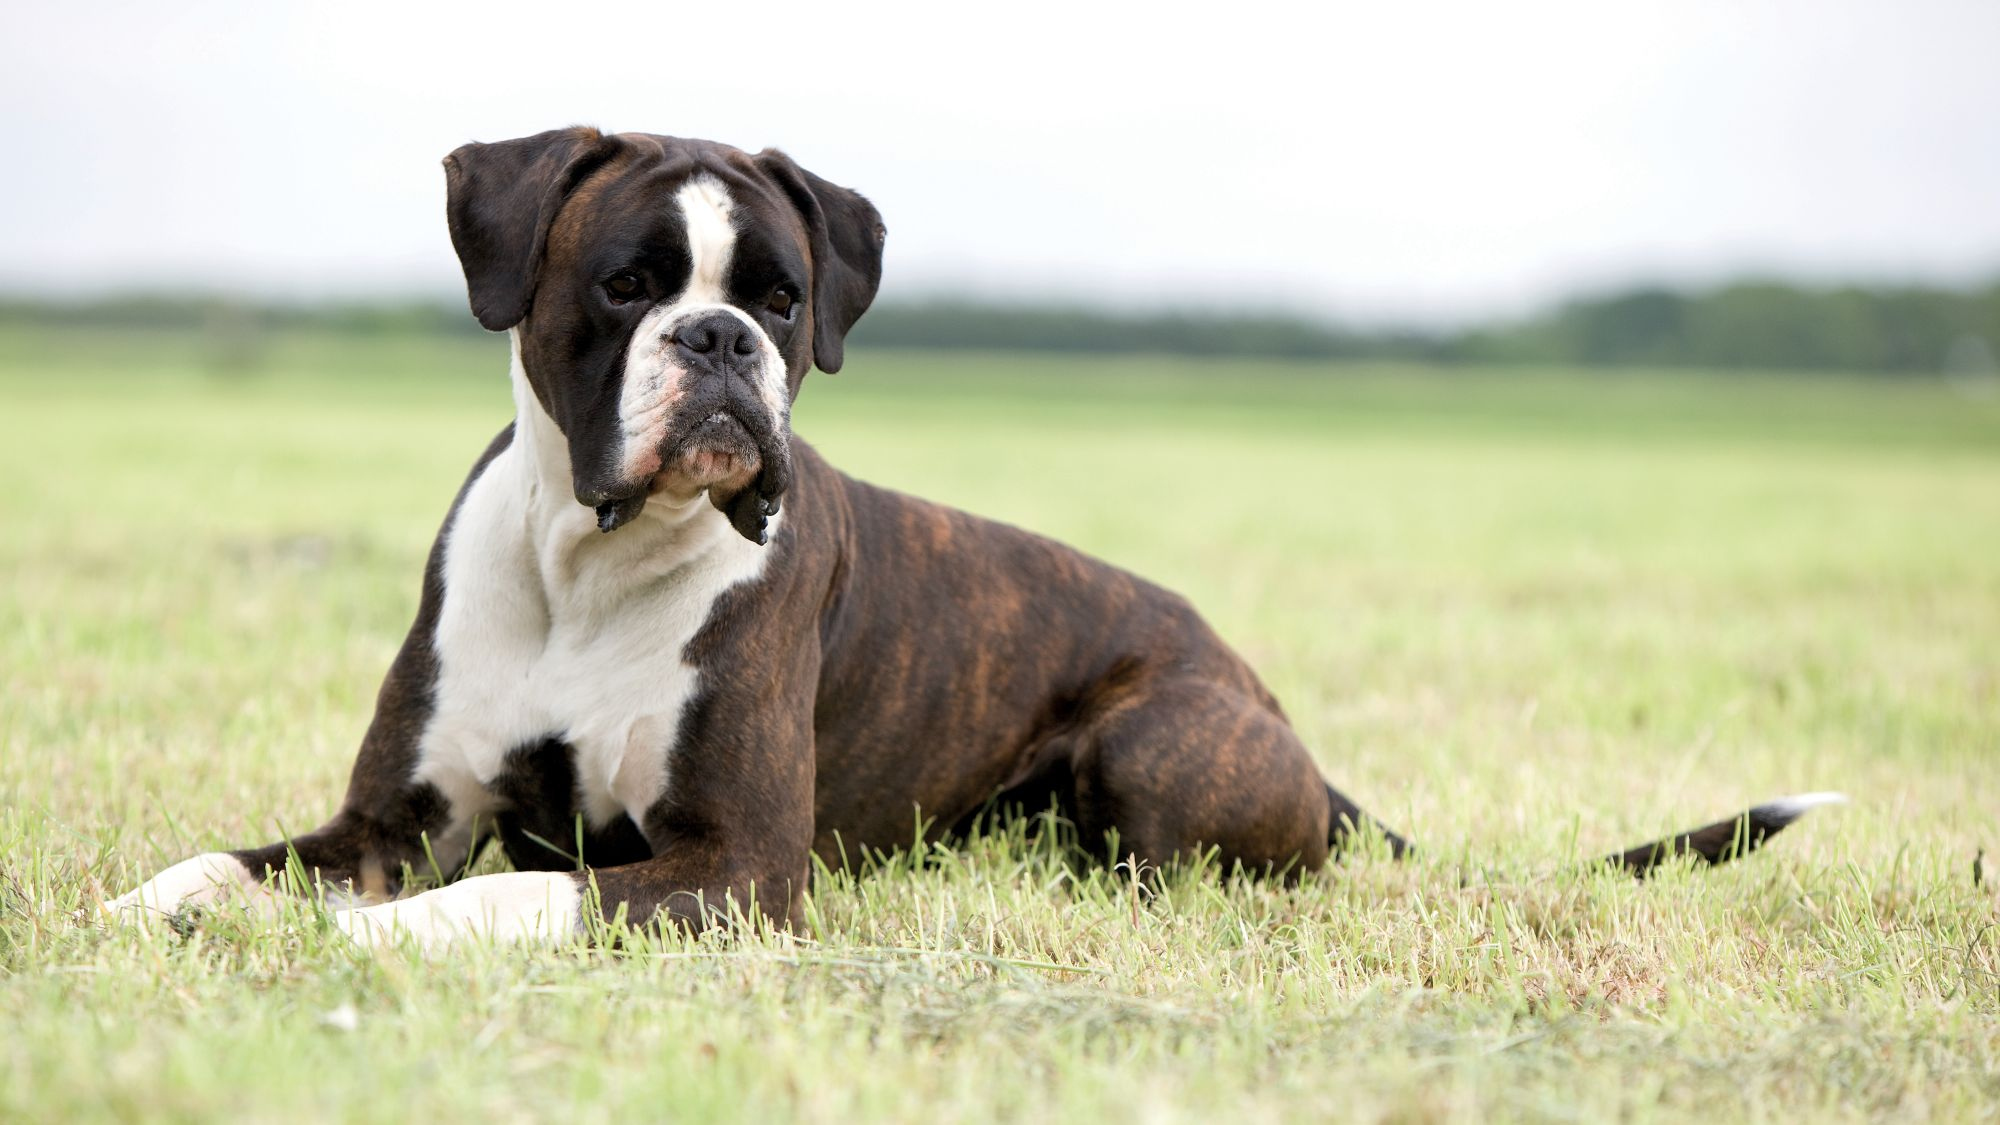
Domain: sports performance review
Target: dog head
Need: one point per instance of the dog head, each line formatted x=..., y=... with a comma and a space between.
x=669, y=297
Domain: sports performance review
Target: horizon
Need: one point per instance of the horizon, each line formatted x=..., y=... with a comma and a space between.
x=453, y=302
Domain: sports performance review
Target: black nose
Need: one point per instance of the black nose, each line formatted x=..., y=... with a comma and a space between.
x=714, y=334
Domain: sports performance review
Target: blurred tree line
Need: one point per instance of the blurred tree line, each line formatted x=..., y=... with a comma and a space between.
x=1751, y=324
x=1757, y=324
x=1748, y=324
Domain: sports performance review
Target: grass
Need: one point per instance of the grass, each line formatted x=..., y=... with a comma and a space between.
x=1525, y=617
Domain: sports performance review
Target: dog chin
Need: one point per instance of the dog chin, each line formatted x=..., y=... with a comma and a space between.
x=704, y=468
x=718, y=456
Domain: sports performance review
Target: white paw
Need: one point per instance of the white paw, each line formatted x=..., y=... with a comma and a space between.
x=201, y=881
x=514, y=908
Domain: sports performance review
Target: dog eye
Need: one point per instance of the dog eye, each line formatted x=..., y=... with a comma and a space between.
x=623, y=287
x=780, y=302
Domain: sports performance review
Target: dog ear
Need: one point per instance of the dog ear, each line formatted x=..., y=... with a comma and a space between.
x=846, y=233
x=499, y=201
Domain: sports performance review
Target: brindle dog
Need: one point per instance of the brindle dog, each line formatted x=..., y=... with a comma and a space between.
x=664, y=648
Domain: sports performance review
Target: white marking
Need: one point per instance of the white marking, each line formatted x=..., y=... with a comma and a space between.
x=710, y=218
x=551, y=628
x=1795, y=806
x=205, y=879
x=515, y=908
x=653, y=376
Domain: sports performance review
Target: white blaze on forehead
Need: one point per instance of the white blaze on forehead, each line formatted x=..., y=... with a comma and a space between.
x=709, y=213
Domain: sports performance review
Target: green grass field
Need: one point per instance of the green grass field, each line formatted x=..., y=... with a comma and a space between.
x=1524, y=617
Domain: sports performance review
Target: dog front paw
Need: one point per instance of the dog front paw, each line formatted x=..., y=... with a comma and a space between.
x=514, y=908
x=205, y=880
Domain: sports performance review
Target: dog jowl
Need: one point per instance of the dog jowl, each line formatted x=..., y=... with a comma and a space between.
x=658, y=627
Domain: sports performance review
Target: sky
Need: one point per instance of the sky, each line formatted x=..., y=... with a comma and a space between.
x=1420, y=163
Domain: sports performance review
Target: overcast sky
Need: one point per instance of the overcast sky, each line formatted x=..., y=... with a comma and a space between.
x=1402, y=161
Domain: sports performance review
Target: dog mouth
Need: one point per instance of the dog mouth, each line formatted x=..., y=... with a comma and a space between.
x=722, y=457
x=718, y=452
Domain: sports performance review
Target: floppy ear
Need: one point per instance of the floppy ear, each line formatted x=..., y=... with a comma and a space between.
x=847, y=234
x=499, y=201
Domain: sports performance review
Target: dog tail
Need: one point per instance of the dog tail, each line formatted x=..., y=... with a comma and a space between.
x=1723, y=840
x=1720, y=842
x=1349, y=822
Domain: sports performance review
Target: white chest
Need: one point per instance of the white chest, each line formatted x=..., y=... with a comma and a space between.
x=549, y=629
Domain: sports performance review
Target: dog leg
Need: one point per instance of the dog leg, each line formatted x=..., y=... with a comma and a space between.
x=388, y=819
x=205, y=880
x=549, y=907
x=354, y=858
x=717, y=853
x=1177, y=766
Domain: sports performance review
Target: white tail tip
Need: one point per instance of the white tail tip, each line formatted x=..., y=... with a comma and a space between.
x=1796, y=805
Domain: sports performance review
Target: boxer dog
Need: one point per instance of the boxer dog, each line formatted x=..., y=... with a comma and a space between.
x=666, y=655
